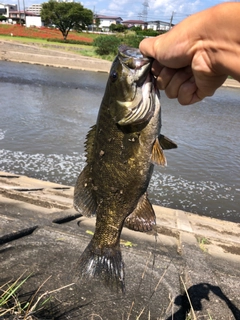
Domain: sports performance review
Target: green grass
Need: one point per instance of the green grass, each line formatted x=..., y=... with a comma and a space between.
x=84, y=50
x=10, y=303
x=203, y=242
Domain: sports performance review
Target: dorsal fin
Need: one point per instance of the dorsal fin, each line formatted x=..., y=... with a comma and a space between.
x=143, y=217
x=89, y=144
x=158, y=156
x=166, y=143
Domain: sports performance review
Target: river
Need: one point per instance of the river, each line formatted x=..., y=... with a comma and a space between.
x=45, y=114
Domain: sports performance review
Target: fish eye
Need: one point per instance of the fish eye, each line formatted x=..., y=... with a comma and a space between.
x=114, y=76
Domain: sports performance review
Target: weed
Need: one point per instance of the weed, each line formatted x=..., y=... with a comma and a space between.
x=11, y=305
x=202, y=243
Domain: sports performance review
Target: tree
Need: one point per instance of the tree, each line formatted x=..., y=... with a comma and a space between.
x=97, y=22
x=66, y=16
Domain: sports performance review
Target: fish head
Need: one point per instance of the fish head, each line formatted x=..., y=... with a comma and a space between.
x=130, y=89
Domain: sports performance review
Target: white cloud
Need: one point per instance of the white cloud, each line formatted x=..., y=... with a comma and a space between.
x=131, y=9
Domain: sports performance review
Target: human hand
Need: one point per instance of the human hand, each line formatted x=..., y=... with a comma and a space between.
x=186, y=59
x=186, y=84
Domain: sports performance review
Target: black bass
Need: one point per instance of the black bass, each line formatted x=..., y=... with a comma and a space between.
x=121, y=149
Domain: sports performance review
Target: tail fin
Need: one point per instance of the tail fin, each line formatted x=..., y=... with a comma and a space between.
x=105, y=264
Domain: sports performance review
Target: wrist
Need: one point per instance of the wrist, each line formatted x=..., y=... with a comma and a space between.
x=219, y=41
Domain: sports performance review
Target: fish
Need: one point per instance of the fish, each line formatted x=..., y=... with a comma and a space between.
x=121, y=151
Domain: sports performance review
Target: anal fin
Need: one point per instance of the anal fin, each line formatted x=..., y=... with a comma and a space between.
x=84, y=201
x=143, y=217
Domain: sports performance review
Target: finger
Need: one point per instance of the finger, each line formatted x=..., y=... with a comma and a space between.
x=164, y=78
x=156, y=68
x=180, y=77
x=187, y=93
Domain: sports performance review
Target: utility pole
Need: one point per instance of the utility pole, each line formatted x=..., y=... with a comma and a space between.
x=19, y=12
x=24, y=11
x=93, y=19
x=170, y=23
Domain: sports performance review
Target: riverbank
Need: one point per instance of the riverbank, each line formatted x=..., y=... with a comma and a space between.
x=56, y=56
x=193, y=258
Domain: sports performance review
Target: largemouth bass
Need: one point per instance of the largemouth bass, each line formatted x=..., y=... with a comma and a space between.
x=121, y=150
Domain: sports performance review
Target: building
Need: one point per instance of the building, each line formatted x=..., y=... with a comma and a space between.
x=106, y=21
x=135, y=23
x=35, y=9
x=3, y=10
x=159, y=25
x=14, y=15
x=6, y=8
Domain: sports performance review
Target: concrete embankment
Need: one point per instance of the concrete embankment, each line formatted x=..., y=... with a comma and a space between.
x=192, y=258
x=35, y=54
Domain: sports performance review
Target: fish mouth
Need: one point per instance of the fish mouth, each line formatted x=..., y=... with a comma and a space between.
x=141, y=108
x=133, y=58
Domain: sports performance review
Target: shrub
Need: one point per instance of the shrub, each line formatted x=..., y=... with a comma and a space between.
x=106, y=45
x=148, y=33
x=132, y=41
x=70, y=41
x=3, y=18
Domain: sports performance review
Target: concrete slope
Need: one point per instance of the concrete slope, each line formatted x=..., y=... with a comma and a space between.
x=189, y=270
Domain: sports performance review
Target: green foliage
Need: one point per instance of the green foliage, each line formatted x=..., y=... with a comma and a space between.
x=66, y=16
x=8, y=294
x=3, y=18
x=109, y=44
x=132, y=40
x=106, y=45
x=117, y=27
x=97, y=22
x=147, y=33
x=136, y=28
x=71, y=41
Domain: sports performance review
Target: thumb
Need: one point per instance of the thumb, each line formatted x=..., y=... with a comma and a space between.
x=147, y=47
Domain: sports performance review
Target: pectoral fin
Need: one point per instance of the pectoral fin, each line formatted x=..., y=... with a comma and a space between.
x=166, y=143
x=84, y=201
x=143, y=217
x=158, y=156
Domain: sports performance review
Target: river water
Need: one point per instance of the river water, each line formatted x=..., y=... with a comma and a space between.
x=46, y=112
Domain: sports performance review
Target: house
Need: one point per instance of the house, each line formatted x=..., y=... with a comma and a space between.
x=159, y=25
x=14, y=15
x=135, y=23
x=6, y=8
x=106, y=21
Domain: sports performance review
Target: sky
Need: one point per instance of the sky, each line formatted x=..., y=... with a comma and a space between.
x=156, y=10
x=133, y=9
